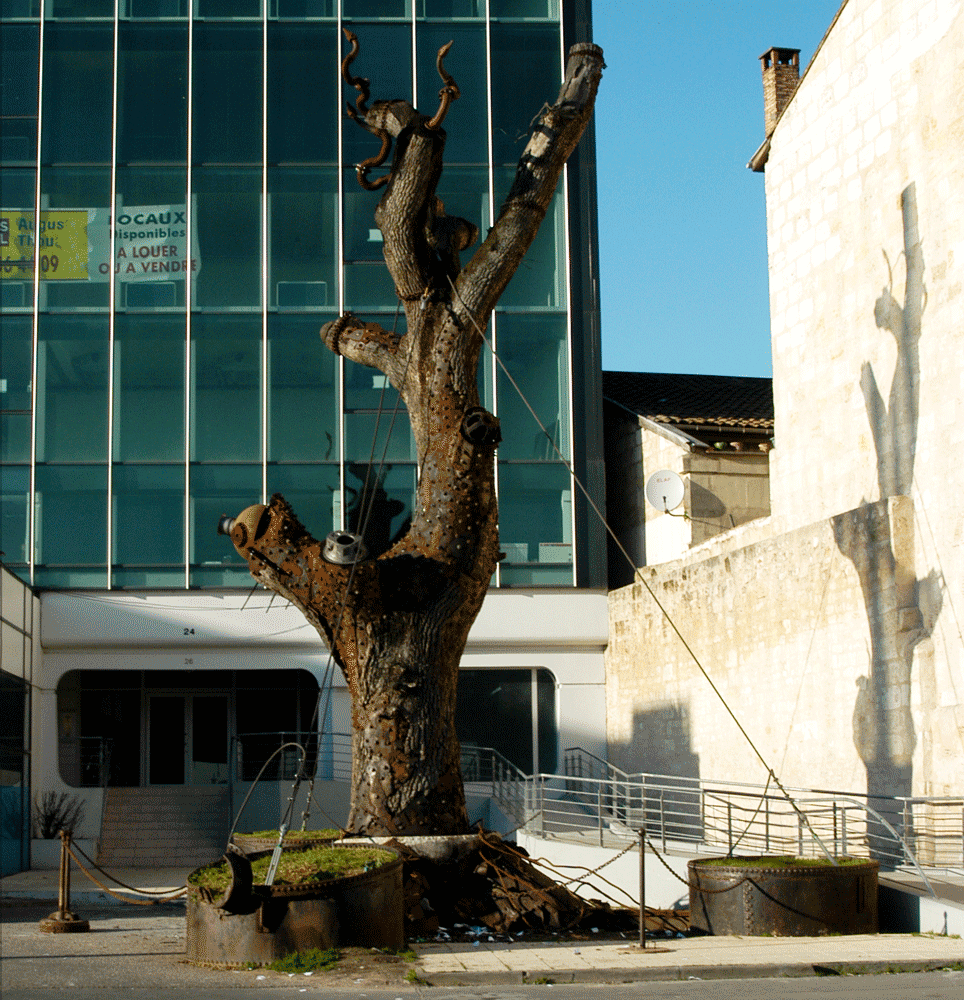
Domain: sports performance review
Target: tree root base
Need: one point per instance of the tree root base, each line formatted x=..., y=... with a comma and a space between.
x=493, y=884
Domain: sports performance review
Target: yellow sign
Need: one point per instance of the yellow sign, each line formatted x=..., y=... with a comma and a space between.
x=63, y=244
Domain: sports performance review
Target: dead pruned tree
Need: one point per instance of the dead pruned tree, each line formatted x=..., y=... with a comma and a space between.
x=397, y=621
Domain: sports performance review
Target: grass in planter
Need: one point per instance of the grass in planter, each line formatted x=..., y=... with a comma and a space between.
x=331, y=834
x=313, y=960
x=781, y=861
x=314, y=864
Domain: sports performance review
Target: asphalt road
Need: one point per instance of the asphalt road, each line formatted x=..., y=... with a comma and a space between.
x=911, y=986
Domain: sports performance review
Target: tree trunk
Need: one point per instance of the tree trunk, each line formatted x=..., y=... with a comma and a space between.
x=397, y=621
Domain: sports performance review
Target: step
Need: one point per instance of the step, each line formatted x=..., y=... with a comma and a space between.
x=161, y=827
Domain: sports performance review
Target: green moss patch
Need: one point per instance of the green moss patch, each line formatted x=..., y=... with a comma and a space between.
x=314, y=864
x=313, y=960
x=779, y=861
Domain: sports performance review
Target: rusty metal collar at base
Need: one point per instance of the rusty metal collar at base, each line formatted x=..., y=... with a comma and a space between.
x=63, y=923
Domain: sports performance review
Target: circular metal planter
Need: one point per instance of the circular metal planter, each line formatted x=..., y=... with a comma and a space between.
x=252, y=845
x=784, y=900
x=258, y=924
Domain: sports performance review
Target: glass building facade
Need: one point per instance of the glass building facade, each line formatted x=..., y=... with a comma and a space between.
x=180, y=215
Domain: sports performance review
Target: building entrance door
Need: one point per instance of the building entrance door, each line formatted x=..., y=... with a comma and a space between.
x=187, y=739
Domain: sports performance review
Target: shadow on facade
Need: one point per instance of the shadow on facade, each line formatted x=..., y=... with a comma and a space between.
x=879, y=538
x=625, y=489
x=703, y=503
x=661, y=750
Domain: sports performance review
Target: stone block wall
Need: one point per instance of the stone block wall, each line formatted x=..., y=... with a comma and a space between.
x=835, y=627
x=865, y=206
x=829, y=666
x=865, y=219
x=725, y=489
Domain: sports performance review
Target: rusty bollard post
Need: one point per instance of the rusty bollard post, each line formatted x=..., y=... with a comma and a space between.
x=642, y=887
x=63, y=921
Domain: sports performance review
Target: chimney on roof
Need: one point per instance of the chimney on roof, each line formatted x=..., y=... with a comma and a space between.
x=781, y=74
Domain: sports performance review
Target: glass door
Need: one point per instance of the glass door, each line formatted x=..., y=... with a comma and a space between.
x=187, y=739
x=208, y=756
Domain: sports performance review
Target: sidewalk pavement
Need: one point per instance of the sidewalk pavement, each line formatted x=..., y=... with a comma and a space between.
x=519, y=961
x=684, y=958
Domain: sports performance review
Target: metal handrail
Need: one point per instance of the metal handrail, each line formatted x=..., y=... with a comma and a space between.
x=696, y=814
x=508, y=785
x=476, y=753
x=908, y=853
x=577, y=753
x=327, y=752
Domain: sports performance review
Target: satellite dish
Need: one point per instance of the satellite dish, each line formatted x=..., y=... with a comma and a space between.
x=664, y=490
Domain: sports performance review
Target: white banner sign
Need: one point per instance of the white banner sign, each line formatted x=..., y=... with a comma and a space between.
x=150, y=244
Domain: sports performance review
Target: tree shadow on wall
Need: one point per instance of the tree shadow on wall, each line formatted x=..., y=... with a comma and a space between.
x=879, y=540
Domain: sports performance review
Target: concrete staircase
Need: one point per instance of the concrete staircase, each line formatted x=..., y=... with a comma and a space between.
x=164, y=827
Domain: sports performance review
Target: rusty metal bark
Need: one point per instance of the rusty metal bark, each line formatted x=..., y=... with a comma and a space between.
x=397, y=621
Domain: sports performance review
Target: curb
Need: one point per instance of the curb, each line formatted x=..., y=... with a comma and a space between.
x=681, y=973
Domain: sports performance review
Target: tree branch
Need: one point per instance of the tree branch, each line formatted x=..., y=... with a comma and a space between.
x=553, y=139
x=367, y=343
x=285, y=558
x=404, y=210
x=421, y=243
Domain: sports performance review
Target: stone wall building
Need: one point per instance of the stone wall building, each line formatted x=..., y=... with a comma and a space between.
x=714, y=431
x=833, y=627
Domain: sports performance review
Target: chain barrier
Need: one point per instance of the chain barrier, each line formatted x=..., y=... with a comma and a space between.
x=615, y=857
x=686, y=881
x=580, y=879
x=165, y=896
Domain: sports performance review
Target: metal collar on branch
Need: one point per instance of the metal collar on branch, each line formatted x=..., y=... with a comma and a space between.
x=450, y=92
x=361, y=85
x=343, y=548
x=359, y=114
x=479, y=427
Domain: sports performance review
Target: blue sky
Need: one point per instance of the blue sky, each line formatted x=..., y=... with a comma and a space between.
x=682, y=224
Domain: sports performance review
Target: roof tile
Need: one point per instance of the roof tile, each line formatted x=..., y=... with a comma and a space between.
x=713, y=400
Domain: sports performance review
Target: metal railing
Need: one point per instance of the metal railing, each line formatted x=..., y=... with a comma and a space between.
x=934, y=829
x=595, y=802
x=579, y=763
x=328, y=755
x=693, y=814
x=485, y=770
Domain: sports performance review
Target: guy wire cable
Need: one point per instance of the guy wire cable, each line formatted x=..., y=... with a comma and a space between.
x=365, y=499
x=364, y=516
x=325, y=689
x=637, y=575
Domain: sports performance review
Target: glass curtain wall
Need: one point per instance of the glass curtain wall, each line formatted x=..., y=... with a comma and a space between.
x=191, y=168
